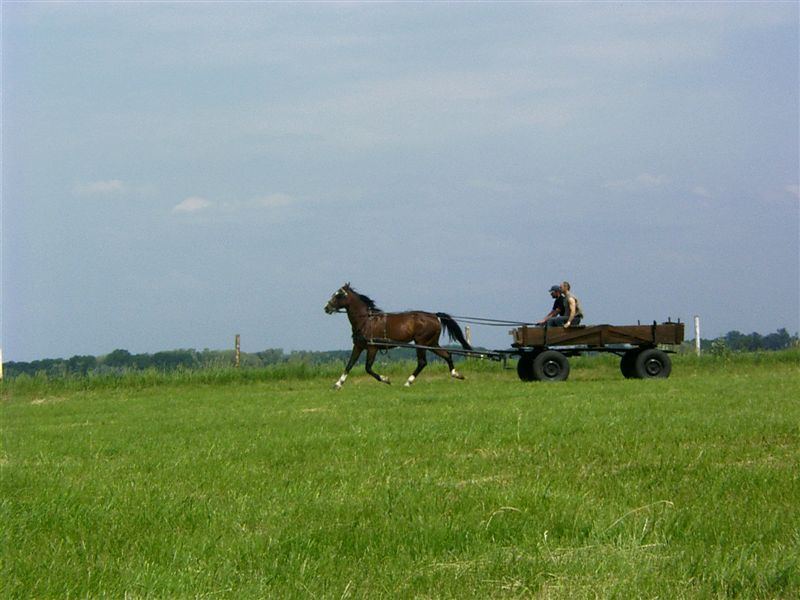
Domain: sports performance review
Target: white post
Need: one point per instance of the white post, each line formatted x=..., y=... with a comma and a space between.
x=697, y=334
x=468, y=335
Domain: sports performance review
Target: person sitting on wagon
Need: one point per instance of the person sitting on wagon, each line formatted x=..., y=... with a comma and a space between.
x=573, y=309
x=559, y=308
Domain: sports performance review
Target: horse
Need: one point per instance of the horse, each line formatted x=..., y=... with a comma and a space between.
x=374, y=329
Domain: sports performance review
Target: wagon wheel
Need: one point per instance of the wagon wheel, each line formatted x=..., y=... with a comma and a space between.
x=652, y=363
x=550, y=366
x=627, y=364
x=525, y=366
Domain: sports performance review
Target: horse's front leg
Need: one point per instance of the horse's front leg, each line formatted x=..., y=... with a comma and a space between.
x=357, y=349
x=372, y=352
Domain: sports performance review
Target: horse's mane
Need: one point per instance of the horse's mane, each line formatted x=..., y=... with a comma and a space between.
x=371, y=306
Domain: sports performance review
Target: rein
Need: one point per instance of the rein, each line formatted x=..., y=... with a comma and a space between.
x=490, y=322
x=470, y=320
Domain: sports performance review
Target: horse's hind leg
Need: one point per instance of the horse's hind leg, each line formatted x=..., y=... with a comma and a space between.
x=421, y=362
x=449, y=359
x=372, y=352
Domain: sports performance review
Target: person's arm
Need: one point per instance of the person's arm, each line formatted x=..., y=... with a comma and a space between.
x=550, y=315
x=571, y=310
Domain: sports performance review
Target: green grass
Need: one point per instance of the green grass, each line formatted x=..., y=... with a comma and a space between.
x=236, y=485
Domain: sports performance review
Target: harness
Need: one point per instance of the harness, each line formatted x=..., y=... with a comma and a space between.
x=372, y=321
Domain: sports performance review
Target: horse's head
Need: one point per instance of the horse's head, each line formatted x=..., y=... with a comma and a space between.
x=339, y=300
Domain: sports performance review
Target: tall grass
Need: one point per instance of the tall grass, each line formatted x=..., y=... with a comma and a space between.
x=273, y=486
x=607, y=363
x=136, y=379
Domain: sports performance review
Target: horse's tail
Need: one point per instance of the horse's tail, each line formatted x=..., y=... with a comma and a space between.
x=453, y=330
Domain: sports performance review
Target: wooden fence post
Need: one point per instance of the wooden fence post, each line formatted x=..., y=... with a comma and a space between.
x=237, y=354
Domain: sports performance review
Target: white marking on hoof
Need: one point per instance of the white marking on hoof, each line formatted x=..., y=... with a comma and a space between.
x=338, y=385
x=456, y=374
x=385, y=380
x=411, y=379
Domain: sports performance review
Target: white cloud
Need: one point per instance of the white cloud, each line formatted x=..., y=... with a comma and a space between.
x=793, y=190
x=192, y=205
x=99, y=188
x=273, y=201
x=645, y=181
x=487, y=185
x=627, y=53
x=196, y=204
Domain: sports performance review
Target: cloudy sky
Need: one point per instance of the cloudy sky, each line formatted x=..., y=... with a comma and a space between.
x=176, y=173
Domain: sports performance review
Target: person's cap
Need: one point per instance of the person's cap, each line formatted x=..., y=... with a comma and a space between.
x=555, y=288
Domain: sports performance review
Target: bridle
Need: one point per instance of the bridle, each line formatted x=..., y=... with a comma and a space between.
x=341, y=292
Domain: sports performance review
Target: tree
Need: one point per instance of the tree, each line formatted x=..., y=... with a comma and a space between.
x=118, y=358
x=174, y=359
x=81, y=365
x=778, y=341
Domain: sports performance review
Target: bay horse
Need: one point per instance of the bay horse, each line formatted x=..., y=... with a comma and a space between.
x=371, y=325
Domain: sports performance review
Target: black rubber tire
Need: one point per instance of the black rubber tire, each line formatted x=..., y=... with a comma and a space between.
x=627, y=364
x=525, y=366
x=652, y=363
x=550, y=366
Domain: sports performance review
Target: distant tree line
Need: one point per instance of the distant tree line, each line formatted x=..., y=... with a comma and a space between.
x=121, y=361
x=736, y=341
x=740, y=342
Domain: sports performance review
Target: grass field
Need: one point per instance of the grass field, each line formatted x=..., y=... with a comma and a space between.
x=270, y=485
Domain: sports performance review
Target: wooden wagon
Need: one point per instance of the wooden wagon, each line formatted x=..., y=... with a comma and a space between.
x=643, y=349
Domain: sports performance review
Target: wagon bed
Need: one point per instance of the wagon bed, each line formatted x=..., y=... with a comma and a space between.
x=598, y=337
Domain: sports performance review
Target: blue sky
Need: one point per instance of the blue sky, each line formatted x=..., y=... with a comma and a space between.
x=177, y=173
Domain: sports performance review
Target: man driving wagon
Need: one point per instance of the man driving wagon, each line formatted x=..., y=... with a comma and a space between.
x=567, y=310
